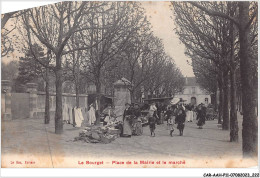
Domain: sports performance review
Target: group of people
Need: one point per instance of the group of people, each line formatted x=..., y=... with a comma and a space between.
x=157, y=113
x=178, y=114
x=132, y=123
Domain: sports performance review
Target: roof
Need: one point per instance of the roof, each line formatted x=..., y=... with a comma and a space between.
x=190, y=81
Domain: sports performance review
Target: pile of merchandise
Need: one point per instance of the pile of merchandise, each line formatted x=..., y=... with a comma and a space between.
x=98, y=134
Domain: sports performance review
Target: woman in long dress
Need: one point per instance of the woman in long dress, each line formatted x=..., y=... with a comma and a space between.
x=200, y=116
x=180, y=120
x=127, y=116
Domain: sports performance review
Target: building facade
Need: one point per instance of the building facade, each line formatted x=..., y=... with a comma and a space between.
x=193, y=93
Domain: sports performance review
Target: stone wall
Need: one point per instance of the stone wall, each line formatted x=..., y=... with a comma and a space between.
x=32, y=103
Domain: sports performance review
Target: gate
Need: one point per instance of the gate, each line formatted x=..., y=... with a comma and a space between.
x=20, y=105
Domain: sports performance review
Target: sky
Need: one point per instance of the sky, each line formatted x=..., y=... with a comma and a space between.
x=159, y=14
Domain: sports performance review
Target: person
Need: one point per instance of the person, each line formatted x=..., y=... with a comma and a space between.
x=137, y=110
x=127, y=131
x=151, y=122
x=204, y=112
x=137, y=125
x=189, y=115
x=181, y=104
x=153, y=107
x=92, y=115
x=180, y=120
x=200, y=116
x=160, y=113
x=153, y=110
x=194, y=114
x=168, y=115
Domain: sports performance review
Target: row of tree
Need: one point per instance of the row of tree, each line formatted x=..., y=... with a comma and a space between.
x=97, y=42
x=221, y=39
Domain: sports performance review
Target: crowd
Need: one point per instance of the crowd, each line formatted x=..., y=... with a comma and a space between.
x=135, y=118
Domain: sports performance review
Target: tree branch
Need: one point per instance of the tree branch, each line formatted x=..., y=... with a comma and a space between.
x=214, y=13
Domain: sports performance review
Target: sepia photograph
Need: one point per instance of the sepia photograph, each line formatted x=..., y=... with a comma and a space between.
x=130, y=84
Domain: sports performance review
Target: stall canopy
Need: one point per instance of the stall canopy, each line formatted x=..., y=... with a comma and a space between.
x=104, y=101
x=165, y=99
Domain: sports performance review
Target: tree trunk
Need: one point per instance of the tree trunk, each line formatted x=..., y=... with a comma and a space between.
x=47, y=99
x=233, y=93
x=249, y=97
x=58, y=112
x=239, y=102
x=132, y=96
x=216, y=101
x=225, y=125
x=233, y=108
x=221, y=97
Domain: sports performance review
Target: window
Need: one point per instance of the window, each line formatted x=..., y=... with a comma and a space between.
x=193, y=91
x=193, y=100
x=206, y=101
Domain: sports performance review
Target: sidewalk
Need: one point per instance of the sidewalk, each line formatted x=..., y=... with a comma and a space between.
x=32, y=141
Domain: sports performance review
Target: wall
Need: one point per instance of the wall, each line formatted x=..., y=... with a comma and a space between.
x=200, y=95
x=199, y=98
x=32, y=103
x=198, y=90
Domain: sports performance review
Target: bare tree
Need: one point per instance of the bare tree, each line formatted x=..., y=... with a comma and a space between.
x=205, y=38
x=114, y=29
x=50, y=25
x=247, y=15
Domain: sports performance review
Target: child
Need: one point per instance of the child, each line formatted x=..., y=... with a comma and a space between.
x=170, y=117
x=171, y=124
x=180, y=120
x=151, y=122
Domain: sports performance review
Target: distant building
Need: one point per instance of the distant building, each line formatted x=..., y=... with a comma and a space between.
x=193, y=93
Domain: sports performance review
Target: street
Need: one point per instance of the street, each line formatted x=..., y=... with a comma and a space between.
x=30, y=143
